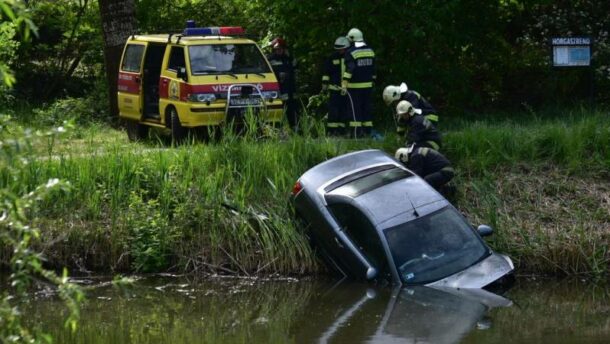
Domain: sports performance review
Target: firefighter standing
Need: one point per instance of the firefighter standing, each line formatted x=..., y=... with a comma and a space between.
x=421, y=132
x=358, y=81
x=393, y=94
x=427, y=163
x=338, y=104
x=284, y=67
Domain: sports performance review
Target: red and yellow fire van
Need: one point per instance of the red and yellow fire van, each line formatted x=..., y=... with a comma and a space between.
x=203, y=77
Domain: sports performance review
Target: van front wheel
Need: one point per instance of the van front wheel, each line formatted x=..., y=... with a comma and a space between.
x=178, y=131
x=136, y=131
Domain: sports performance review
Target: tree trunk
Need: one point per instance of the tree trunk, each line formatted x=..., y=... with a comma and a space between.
x=118, y=23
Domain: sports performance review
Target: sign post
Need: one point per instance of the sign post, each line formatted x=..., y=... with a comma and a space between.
x=574, y=52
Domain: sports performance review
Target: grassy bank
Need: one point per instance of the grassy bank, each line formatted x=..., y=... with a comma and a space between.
x=542, y=183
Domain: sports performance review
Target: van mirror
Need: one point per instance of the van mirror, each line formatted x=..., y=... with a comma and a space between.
x=181, y=74
x=485, y=230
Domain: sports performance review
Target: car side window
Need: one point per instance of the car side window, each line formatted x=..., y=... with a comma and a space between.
x=176, y=59
x=132, y=61
x=361, y=232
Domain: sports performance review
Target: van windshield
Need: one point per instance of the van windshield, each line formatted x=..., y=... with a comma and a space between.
x=227, y=58
x=434, y=246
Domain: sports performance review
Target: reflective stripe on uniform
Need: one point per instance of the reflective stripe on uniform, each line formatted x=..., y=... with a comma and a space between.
x=336, y=62
x=325, y=78
x=355, y=124
x=433, y=144
x=347, y=75
x=448, y=169
x=367, y=124
x=401, y=130
x=358, y=54
x=424, y=151
x=276, y=63
x=360, y=84
x=334, y=87
x=335, y=125
x=431, y=117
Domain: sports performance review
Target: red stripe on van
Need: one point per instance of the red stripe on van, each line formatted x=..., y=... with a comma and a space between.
x=129, y=82
x=222, y=88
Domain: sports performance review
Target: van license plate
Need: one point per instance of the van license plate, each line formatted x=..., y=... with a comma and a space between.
x=245, y=101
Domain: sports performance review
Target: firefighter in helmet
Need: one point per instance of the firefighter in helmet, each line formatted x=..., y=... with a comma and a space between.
x=420, y=131
x=358, y=81
x=393, y=94
x=284, y=66
x=338, y=107
x=429, y=164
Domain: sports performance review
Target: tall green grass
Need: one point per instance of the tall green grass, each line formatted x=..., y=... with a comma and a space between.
x=222, y=206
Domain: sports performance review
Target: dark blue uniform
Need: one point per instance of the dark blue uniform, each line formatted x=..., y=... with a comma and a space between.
x=432, y=166
x=418, y=102
x=284, y=67
x=421, y=132
x=360, y=75
x=338, y=105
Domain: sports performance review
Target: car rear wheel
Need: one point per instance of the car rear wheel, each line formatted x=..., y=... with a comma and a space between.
x=178, y=131
x=136, y=131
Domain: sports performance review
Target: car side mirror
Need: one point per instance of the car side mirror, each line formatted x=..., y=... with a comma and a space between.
x=181, y=74
x=485, y=230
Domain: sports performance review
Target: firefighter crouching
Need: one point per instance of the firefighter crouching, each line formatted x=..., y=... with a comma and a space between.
x=358, y=81
x=393, y=94
x=429, y=164
x=284, y=67
x=338, y=104
x=420, y=131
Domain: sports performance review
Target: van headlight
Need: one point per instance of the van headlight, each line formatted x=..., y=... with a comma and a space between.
x=202, y=97
x=270, y=94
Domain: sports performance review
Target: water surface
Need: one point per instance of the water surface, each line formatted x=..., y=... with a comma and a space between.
x=223, y=310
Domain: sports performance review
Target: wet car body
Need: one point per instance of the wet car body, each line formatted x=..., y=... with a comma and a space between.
x=370, y=218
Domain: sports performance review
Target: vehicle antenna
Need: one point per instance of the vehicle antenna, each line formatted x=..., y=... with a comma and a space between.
x=412, y=205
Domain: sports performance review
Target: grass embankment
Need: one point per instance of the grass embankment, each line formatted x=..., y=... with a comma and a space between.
x=543, y=184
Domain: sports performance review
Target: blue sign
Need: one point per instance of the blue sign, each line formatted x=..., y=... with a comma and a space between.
x=571, y=51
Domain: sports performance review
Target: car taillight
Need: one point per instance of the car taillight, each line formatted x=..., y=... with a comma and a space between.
x=297, y=188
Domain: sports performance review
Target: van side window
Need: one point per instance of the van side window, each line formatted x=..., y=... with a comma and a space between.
x=361, y=232
x=176, y=59
x=132, y=61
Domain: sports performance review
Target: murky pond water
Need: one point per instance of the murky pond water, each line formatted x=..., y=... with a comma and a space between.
x=179, y=310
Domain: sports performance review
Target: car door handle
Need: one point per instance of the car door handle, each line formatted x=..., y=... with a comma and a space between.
x=137, y=79
x=338, y=243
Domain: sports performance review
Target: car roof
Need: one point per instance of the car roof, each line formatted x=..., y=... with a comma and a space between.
x=396, y=200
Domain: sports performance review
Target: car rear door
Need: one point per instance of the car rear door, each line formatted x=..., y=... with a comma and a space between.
x=130, y=81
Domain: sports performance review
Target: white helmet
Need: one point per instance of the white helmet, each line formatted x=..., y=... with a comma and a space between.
x=402, y=154
x=355, y=35
x=342, y=43
x=391, y=94
x=404, y=108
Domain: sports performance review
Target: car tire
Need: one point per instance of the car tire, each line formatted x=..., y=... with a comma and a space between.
x=136, y=131
x=178, y=131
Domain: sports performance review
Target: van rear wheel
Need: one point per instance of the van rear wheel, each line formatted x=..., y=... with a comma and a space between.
x=178, y=131
x=136, y=131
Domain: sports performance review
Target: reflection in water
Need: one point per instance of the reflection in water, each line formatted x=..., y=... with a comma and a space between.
x=173, y=310
x=407, y=315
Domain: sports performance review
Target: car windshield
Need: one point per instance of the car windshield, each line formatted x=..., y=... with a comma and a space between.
x=227, y=58
x=434, y=246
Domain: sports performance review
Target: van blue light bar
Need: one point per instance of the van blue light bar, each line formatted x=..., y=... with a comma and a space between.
x=209, y=31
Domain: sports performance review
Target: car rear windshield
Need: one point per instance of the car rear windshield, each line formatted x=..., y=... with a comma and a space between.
x=227, y=58
x=434, y=246
x=368, y=180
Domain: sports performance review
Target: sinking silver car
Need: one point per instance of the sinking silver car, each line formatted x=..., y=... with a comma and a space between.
x=371, y=218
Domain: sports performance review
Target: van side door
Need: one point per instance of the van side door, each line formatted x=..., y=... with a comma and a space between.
x=130, y=81
x=170, y=85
